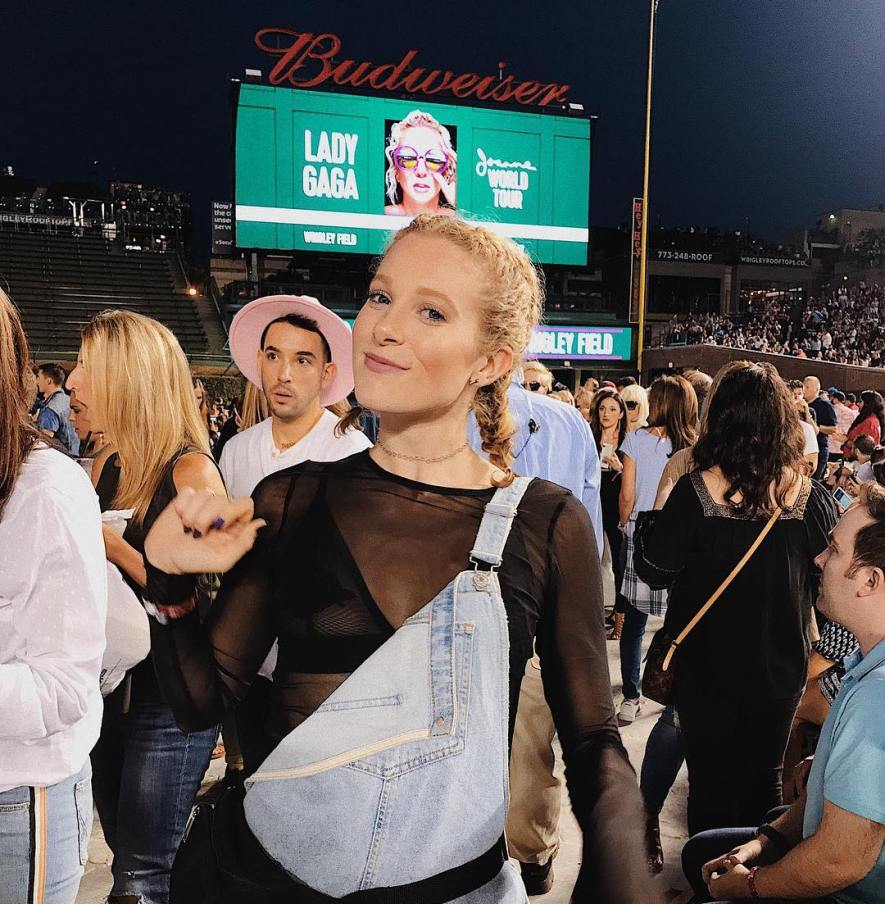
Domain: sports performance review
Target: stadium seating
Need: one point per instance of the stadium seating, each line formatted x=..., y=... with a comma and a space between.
x=60, y=280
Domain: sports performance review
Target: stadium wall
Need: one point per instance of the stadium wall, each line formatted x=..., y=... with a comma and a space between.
x=709, y=358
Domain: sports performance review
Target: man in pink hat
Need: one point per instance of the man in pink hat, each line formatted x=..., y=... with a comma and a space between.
x=298, y=353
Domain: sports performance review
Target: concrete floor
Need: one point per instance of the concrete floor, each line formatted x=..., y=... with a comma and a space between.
x=97, y=881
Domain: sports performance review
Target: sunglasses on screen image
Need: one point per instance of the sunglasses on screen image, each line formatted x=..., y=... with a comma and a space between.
x=406, y=158
x=631, y=406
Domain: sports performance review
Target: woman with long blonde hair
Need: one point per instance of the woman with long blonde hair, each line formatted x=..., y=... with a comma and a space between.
x=405, y=585
x=53, y=595
x=134, y=378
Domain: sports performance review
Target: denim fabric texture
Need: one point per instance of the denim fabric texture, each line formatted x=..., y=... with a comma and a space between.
x=147, y=774
x=44, y=834
x=403, y=772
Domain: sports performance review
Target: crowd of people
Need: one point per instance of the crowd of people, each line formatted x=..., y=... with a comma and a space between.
x=406, y=531
x=841, y=326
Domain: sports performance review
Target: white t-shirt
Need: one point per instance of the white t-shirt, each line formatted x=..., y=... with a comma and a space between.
x=53, y=604
x=811, y=447
x=250, y=456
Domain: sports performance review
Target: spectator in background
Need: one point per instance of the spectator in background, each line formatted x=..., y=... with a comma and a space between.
x=825, y=418
x=146, y=771
x=202, y=398
x=608, y=421
x=562, y=394
x=54, y=415
x=700, y=383
x=536, y=377
x=807, y=423
x=623, y=382
x=831, y=841
x=740, y=673
x=53, y=596
x=636, y=402
x=866, y=471
x=870, y=420
x=673, y=419
x=844, y=419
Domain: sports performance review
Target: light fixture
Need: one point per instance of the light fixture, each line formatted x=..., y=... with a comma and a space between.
x=191, y=290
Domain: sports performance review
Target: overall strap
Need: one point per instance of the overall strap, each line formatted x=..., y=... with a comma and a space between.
x=494, y=529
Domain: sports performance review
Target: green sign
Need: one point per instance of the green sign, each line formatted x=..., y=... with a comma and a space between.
x=581, y=343
x=318, y=171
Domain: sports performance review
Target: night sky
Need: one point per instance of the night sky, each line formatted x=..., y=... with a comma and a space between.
x=770, y=111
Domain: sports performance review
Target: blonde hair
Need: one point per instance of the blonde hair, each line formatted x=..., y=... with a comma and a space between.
x=512, y=300
x=635, y=393
x=415, y=118
x=143, y=398
x=540, y=368
x=255, y=407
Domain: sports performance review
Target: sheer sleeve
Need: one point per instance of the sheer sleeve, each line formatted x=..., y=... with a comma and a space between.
x=663, y=539
x=574, y=665
x=205, y=668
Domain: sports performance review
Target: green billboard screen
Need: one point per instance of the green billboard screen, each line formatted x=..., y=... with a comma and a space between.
x=318, y=171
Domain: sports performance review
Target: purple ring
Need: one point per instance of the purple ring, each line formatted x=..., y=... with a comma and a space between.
x=218, y=523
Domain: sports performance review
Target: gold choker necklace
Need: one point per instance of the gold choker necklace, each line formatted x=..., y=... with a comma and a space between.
x=393, y=454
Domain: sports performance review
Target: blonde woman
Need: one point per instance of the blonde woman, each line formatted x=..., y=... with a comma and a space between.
x=636, y=401
x=369, y=778
x=133, y=377
x=53, y=595
x=422, y=167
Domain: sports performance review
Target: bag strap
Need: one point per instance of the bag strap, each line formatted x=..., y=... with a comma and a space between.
x=721, y=588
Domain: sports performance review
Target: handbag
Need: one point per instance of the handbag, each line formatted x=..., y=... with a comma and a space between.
x=657, y=679
x=219, y=860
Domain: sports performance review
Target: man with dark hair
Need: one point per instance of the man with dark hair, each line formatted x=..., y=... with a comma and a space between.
x=54, y=414
x=830, y=842
x=825, y=417
x=700, y=383
x=298, y=353
x=621, y=382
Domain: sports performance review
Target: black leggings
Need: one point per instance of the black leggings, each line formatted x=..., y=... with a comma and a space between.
x=734, y=750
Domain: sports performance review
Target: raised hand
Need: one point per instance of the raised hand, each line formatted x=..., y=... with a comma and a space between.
x=202, y=532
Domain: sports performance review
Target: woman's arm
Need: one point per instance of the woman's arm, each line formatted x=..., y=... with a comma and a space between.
x=205, y=668
x=574, y=665
x=627, y=496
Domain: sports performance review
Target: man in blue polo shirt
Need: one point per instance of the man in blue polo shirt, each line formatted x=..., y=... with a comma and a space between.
x=830, y=842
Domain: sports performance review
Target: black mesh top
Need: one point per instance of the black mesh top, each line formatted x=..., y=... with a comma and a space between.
x=349, y=552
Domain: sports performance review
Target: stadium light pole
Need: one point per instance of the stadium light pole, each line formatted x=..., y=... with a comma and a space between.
x=643, y=261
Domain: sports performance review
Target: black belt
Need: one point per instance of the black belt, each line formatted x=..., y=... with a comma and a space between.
x=447, y=886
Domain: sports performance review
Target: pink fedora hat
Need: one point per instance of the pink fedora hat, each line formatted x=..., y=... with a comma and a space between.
x=251, y=321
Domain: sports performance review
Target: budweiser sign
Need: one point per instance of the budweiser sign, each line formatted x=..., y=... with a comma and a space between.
x=307, y=60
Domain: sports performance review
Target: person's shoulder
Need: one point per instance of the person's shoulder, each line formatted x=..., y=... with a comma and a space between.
x=558, y=415
x=48, y=474
x=245, y=439
x=550, y=500
x=862, y=708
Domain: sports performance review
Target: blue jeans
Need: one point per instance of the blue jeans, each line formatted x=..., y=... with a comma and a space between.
x=147, y=774
x=706, y=846
x=664, y=755
x=44, y=834
x=631, y=650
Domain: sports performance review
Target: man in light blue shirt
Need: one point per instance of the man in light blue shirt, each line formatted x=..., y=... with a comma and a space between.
x=830, y=842
x=554, y=442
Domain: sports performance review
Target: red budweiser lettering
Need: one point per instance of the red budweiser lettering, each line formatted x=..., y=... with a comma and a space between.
x=306, y=60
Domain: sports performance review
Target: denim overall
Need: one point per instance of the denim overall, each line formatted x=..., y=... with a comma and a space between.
x=402, y=774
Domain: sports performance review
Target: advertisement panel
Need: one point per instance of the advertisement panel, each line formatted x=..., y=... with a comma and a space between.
x=338, y=172
x=582, y=343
